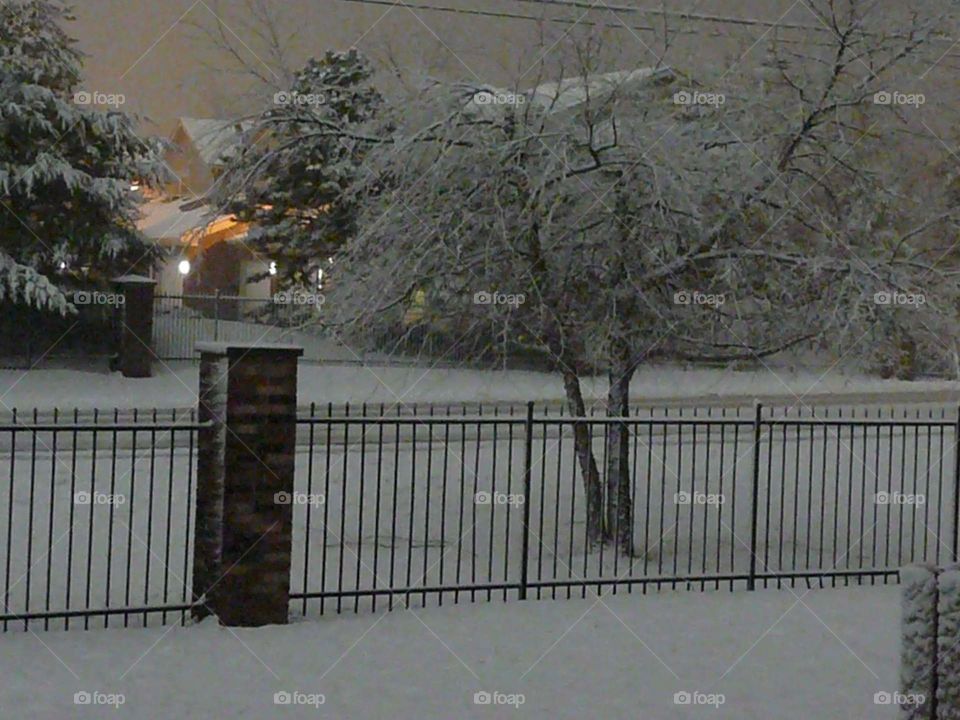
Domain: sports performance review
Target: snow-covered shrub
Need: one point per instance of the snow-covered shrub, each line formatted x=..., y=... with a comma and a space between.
x=918, y=627
x=948, y=644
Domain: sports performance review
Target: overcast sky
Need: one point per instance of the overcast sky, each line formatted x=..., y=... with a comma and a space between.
x=151, y=52
x=148, y=50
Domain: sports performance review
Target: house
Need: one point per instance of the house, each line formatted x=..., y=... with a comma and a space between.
x=205, y=251
x=200, y=150
x=572, y=92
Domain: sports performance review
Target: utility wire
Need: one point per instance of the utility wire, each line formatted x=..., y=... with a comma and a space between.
x=559, y=20
x=681, y=15
x=601, y=7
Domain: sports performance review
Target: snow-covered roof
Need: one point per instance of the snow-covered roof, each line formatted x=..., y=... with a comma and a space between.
x=574, y=91
x=167, y=221
x=571, y=92
x=215, y=140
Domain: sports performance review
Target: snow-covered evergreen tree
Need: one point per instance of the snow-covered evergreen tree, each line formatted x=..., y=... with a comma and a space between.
x=304, y=152
x=67, y=213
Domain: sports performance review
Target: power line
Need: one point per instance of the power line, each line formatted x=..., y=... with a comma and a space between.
x=679, y=14
x=622, y=25
x=483, y=13
x=820, y=27
x=540, y=19
x=585, y=5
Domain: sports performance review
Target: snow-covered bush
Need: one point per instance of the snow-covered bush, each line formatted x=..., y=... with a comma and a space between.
x=918, y=648
x=948, y=644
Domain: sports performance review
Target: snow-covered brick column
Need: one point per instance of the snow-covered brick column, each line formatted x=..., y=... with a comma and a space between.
x=918, y=649
x=208, y=511
x=136, y=331
x=245, y=481
x=948, y=644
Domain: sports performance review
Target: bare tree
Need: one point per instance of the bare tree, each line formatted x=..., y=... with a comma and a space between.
x=255, y=45
x=616, y=218
x=541, y=170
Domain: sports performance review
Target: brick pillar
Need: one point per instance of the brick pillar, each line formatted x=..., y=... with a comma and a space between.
x=242, y=542
x=136, y=332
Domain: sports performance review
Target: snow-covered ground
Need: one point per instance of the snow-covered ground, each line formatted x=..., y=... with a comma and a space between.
x=175, y=386
x=766, y=655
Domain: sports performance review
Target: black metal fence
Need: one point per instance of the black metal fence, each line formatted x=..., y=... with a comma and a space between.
x=95, y=518
x=405, y=505
x=399, y=507
x=181, y=321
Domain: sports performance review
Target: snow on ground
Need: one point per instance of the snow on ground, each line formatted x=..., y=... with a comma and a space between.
x=175, y=386
x=768, y=654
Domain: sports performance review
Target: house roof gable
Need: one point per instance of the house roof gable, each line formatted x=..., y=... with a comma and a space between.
x=215, y=141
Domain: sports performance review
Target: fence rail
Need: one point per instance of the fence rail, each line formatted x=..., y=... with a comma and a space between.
x=95, y=518
x=393, y=509
x=181, y=321
x=415, y=504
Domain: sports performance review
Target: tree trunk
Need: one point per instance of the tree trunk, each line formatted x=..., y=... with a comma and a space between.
x=583, y=447
x=619, y=520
